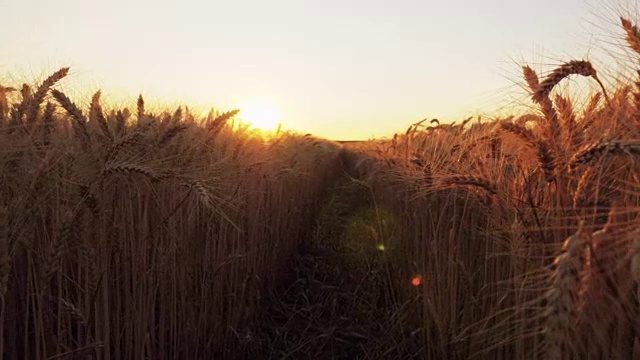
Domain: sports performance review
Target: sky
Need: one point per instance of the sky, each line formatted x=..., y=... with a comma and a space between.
x=339, y=69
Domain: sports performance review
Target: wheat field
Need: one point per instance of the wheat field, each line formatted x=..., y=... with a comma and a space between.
x=128, y=234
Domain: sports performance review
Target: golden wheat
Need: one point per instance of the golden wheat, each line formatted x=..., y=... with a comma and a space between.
x=562, y=296
x=633, y=34
x=594, y=152
x=471, y=180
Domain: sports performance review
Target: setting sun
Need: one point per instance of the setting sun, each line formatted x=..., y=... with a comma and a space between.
x=260, y=116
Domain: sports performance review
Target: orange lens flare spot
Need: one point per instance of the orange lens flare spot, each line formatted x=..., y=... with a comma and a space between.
x=416, y=281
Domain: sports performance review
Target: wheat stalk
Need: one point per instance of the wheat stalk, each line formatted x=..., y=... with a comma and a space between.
x=73, y=310
x=79, y=121
x=215, y=125
x=562, y=297
x=531, y=77
x=177, y=116
x=633, y=34
x=54, y=252
x=635, y=260
x=140, y=107
x=567, y=118
x=4, y=103
x=471, y=180
x=17, y=110
x=597, y=151
x=552, y=128
x=5, y=259
x=5, y=269
x=171, y=133
x=580, y=187
x=95, y=114
x=48, y=124
x=128, y=169
x=121, y=122
x=590, y=110
x=545, y=157
x=574, y=67
x=41, y=92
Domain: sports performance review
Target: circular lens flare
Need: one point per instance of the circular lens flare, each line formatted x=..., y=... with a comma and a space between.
x=416, y=281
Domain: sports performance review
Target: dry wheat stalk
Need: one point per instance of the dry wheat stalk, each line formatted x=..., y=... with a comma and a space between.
x=471, y=180
x=552, y=128
x=574, y=67
x=171, y=133
x=54, y=252
x=427, y=178
x=428, y=175
x=17, y=110
x=520, y=131
x=545, y=157
x=48, y=122
x=140, y=106
x=121, y=122
x=562, y=297
x=5, y=259
x=590, y=110
x=38, y=96
x=4, y=103
x=580, y=187
x=79, y=121
x=73, y=310
x=203, y=194
x=120, y=144
x=215, y=124
x=635, y=260
x=177, y=116
x=95, y=114
x=531, y=77
x=69, y=106
x=89, y=199
x=597, y=151
x=128, y=168
x=567, y=118
x=636, y=99
x=633, y=34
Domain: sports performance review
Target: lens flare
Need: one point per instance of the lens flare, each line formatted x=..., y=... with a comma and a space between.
x=261, y=116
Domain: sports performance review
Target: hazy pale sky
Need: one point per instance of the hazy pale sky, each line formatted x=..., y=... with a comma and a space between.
x=337, y=69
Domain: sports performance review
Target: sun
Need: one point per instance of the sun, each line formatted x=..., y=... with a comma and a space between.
x=261, y=116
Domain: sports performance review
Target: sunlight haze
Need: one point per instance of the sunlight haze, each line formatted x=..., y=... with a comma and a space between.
x=337, y=69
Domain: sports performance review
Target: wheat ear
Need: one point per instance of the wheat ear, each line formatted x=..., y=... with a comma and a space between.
x=140, y=106
x=567, y=118
x=594, y=152
x=562, y=297
x=470, y=180
x=129, y=168
x=79, y=121
x=215, y=124
x=171, y=133
x=545, y=157
x=38, y=96
x=552, y=126
x=633, y=34
x=574, y=67
x=95, y=114
x=4, y=103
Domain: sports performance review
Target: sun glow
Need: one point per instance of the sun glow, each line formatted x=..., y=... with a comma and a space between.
x=261, y=116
